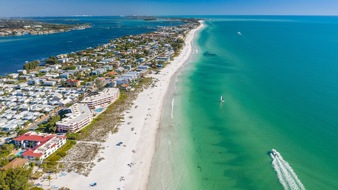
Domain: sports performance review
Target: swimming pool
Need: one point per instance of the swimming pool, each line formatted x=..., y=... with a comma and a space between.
x=98, y=110
x=19, y=153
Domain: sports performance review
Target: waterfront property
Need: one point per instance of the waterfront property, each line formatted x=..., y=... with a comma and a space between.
x=38, y=146
x=78, y=117
x=107, y=96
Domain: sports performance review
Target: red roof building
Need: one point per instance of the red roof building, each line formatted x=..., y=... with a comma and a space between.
x=39, y=146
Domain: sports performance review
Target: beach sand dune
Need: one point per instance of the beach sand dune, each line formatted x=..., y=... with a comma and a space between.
x=128, y=153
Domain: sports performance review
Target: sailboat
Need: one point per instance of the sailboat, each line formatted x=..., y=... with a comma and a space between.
x=222, y=99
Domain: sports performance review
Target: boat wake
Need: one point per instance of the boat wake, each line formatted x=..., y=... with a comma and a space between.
x=287, y=177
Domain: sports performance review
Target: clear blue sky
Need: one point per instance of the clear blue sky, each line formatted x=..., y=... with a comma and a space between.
x=10, y=8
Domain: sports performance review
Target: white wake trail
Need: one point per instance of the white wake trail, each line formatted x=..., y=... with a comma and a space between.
x=287, y=177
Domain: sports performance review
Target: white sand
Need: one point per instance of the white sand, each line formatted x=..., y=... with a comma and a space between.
x=120, y=161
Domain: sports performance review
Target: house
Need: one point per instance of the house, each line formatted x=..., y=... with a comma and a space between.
x=142, y=67
x=73, y=83
x=38, y=146
x=55, y=75
x=125, y=87
x=108, y=67
x=98, y=71
x=22, y=72
x=46, y=70
x=120, y=69
x=120, y=81
x=141, y=60
x=65, y=75
x=163, y=58
x=34, y=81
x=13, y=75
x=63, y=60
x=84, y=58
x=49, y=83
x=55, y=67
x=112, y=73
x=24, y=77
x=122, y=61
x=127, y=67
x=9, y=127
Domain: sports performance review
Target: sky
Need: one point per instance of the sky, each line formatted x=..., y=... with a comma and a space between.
x=22, y=8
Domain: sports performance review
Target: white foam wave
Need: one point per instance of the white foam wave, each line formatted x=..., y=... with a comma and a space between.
x=172, y=108
x=287, y=177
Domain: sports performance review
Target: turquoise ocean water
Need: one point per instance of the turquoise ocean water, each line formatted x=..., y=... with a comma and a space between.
x=279, y=79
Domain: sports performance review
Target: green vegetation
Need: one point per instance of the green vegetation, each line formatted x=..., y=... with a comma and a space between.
x=15, y=179
x=50, y=163
x=22, y=131
x=5, y=150
x=50, y=125
x=31, y=65
x=36, y=188
x=70, y=67
x=177, y=45
x=52, y=60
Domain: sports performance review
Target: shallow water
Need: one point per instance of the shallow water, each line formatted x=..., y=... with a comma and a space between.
x=279, y=81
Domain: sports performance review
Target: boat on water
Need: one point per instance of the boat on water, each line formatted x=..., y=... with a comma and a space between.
x=274, y=153
x=222, y=99
x=239, y=33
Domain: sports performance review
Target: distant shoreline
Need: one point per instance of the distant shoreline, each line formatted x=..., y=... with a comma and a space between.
x=20, y=27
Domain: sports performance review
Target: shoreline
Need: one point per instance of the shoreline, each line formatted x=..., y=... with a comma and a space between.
x=128, y=166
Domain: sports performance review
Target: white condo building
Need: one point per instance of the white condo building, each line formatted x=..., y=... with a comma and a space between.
x=79, y=117
x=38, y=146
x=107, y=96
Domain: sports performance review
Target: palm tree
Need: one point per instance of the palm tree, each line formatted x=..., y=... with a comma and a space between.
x=49, y=179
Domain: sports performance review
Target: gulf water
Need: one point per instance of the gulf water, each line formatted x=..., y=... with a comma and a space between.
x=279, y=79
x=15, y=50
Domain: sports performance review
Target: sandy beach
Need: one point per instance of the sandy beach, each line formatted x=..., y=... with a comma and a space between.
x=127, y=165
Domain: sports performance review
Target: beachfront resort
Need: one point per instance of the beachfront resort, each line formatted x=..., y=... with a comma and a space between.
x=47, y=107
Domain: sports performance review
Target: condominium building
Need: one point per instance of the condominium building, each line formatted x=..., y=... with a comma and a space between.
x=78, y=117
x=38, y=146
x=107, y=96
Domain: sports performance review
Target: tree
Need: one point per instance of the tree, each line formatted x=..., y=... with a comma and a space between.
x=36, y=188
x=6, y=149
x=52, y=60
x=49, y=179
x=99, y=84
x=70, y=67
x=15, y=179
x=31, y=65
x=50, y=125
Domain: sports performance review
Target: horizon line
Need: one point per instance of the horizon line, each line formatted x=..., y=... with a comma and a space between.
x=172, y=15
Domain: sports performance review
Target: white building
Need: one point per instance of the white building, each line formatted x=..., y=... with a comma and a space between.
x=79, y=117
x=39, y=145
x=107, y=96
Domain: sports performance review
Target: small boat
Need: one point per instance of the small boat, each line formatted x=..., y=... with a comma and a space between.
x=222, y=99
x=239, y=33
x=274, y=153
